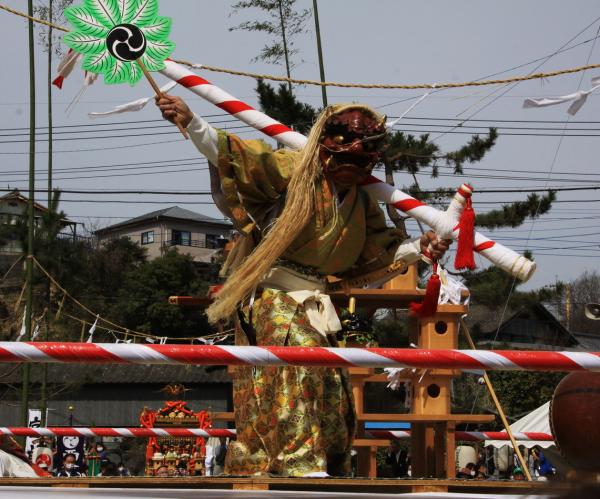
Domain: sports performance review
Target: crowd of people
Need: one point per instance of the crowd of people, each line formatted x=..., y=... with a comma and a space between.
x=94, y=461
x=539, y=466
x=396, y=464
x=78, y=459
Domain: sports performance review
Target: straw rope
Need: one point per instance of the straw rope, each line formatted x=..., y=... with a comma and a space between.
x=262, y=76
x=114, y=328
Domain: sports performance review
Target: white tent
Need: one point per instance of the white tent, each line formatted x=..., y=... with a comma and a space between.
x=537, y=420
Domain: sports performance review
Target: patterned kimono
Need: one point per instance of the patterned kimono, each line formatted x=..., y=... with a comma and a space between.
x=295, y=421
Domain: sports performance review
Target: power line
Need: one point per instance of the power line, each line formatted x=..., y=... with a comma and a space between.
x=128, y=146
x=63, y=139
x=206, y=193
x=126, y=166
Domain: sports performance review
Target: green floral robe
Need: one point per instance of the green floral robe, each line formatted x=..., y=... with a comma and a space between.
x=295, y=420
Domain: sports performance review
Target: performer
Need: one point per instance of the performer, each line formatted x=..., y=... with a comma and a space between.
x=302, y=216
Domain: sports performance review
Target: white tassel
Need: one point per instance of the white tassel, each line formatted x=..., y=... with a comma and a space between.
x=23, y=328
x=133, y=106
x=92, y=330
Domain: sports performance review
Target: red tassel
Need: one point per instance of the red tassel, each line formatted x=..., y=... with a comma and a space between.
x=58, y=81
x=428, y=306
x=214, y=290
x=466, y=239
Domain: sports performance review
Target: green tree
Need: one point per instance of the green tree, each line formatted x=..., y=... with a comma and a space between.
x=574, y=297
x=142, y=299
x=520, y=392
x=282, y=105
x=283, y=24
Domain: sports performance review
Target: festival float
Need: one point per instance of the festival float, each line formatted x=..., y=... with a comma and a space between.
x=174, y=452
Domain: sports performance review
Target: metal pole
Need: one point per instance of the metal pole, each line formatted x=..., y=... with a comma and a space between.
x=30, y=217
x=320, y=52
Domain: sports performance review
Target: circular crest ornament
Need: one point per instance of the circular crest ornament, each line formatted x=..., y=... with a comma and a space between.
x=126, y=42
x=119, y=37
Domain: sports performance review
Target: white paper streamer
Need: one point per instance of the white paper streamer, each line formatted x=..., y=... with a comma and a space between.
x=133, y=106
x=23, y=328
x=451, y=290
x=92, y=330
x=579, y=99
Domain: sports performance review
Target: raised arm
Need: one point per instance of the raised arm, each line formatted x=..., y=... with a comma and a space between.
x=204, y=137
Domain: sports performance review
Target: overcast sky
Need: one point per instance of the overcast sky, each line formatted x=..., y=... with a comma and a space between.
x=383, y=41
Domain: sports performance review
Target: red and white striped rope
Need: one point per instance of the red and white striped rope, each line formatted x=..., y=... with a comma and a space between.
x=123, y=353
x=470, y=436
x=444, y=223
x=115, y=432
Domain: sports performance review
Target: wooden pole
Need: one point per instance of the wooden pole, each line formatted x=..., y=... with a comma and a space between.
x=49, y=83
x=490, y=388
x=285, y=47
x=43, y=389
x=30, y=218
x=157, y=91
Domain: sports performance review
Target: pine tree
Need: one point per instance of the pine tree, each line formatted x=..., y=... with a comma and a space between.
x=282, y=105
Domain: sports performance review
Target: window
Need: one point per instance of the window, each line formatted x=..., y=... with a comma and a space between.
x=182, y=238
x=148, y=237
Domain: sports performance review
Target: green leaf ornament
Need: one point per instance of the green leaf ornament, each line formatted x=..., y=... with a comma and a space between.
x=113, y=34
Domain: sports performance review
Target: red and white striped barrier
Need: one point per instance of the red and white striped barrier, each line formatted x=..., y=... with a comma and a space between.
x=470, y=436
x=115, y=432
x=123, y=353
x=444, y=223
x=15, y=431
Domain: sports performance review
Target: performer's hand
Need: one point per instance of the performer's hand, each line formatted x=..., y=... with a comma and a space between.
x=174, y=109
x=434, y=247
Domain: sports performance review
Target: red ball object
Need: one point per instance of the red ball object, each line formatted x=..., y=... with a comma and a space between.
x=574, y=419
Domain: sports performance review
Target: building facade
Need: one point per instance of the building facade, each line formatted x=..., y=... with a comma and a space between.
x=191, y=233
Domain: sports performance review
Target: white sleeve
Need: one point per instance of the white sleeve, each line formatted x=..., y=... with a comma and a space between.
x=409, y=251
x=205, y=138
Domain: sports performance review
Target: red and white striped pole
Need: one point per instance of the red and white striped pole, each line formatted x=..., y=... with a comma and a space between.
x=444, y=223
x=91, y=432
x=123, y=353
x=115, y=432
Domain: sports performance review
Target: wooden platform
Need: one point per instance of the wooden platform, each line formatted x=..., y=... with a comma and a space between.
x=369, y=486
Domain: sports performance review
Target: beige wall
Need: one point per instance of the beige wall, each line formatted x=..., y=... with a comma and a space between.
x=163, y=234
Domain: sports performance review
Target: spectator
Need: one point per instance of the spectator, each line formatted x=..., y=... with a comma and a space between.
x=162, y=471
x=490, y=464
x=182, y=469
x=122, y=470
x=468, y=472
x=107, y=468
x=69, y=467
x=542, y=464
x=397, y=459
x=518, y=474
x=101, y=451
x=220, y=453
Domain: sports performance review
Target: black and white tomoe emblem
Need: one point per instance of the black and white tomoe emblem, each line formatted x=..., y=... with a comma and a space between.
x=126, y=42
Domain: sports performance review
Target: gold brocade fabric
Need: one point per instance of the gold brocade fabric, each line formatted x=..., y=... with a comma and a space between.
x=296, y=420
x=290, y=421
x=253, y=183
